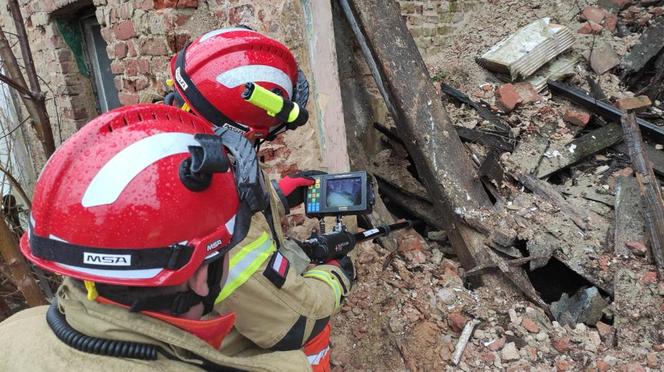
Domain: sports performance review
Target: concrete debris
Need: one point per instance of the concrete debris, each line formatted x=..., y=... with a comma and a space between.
x=524, y=52
x=602, y=57
x=558, y=69
x=584, y=307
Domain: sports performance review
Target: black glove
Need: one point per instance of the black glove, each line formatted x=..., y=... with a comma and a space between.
x=291, y=189
x=346, y=264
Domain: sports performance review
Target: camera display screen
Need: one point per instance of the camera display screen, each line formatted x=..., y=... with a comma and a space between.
x=344, y=192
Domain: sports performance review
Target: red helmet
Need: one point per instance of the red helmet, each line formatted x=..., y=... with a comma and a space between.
x=210, y=74
x=111, y=205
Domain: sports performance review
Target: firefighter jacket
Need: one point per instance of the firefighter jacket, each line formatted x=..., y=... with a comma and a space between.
x=276, y=306
x=28, y=343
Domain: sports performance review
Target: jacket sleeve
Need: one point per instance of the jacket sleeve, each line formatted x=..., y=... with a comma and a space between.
x=286, y=318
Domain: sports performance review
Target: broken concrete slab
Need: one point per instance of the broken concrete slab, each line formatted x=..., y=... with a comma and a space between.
x=524, y=52
x=585, y=306
x=602, y=57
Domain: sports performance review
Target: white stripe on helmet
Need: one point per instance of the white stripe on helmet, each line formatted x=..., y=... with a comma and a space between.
x=115, y=175
x=256, y=73
x=124, y=274
x=230, y=225
x=221, y=31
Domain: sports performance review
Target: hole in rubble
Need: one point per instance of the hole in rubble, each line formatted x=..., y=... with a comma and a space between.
x=555, y=278
x=561, y=177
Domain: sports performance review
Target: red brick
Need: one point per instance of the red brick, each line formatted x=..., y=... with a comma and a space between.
x=487, y=357
x=530, y=325
x=604, y=262
x=187, y=4
x=604, y=329
x=575, y=117
x=602, y=366
x=563, y=365
x=637, y=248
x=128, y=98
x=131, y=48
x=507, y=97
x=610, y=22
x=633, y=103
x=241, y=14
x=497, y=344
x=117, y=67
x=124, y=30
x=590, y=27
x=651, y=359
x=593, y=13
x=527, y=92
x=153, y=46
x=120, y=50
x=650, y=277
x=176, y=42
x=456, y=321
x=561, y=344
x=162, y=4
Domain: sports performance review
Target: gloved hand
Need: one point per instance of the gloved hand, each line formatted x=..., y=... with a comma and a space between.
x=291, y=189
x=346, y=265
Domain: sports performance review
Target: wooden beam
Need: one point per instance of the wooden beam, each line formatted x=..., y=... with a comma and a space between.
x=628, y=223
x=649, y=186
x=582, y=147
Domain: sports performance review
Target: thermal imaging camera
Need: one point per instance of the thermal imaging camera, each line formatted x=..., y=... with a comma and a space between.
x=339, y=194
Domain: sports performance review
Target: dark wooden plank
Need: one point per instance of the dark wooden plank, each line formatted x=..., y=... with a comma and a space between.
x=649, y=187
x=582, y=147
x=628, y=223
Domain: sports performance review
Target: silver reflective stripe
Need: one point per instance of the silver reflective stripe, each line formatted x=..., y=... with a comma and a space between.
x=256, y=73
x=237, y=269
x=222, y=31
x=315, y=359
x=125, y=274
x=115, y=175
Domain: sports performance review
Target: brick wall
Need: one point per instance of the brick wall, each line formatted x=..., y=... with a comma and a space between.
x=432, y=21
x=142, y=35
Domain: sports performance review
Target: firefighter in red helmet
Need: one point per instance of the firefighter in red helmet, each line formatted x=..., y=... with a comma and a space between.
x=209, y=77
x=139, y=211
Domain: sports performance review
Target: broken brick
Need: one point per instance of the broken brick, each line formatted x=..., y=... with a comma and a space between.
x=563, y=365
x=590, y=27
x=593, y=14
x=602, y=366
x=637, y=248
x=575, y=117
x=561, y=344
x=604, y=329
x=456, y=321
x=633, y=103
x=651, y=359
x=633, y=367
x=497, y=344
x=507, y=97
x=527, y=92
x=530, y=325
x=650, y=277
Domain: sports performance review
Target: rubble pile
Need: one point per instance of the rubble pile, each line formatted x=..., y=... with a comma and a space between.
x=564, y=175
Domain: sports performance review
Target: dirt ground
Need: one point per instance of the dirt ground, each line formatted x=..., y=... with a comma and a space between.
x=407, y=311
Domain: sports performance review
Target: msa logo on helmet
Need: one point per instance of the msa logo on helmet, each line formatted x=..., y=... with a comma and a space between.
x=235, y=129
x=180, y=80
x=106, y=259
x=213, y=245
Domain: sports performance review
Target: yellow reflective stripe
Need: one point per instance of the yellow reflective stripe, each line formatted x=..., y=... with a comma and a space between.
x=244, y=264
x=329, y=279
